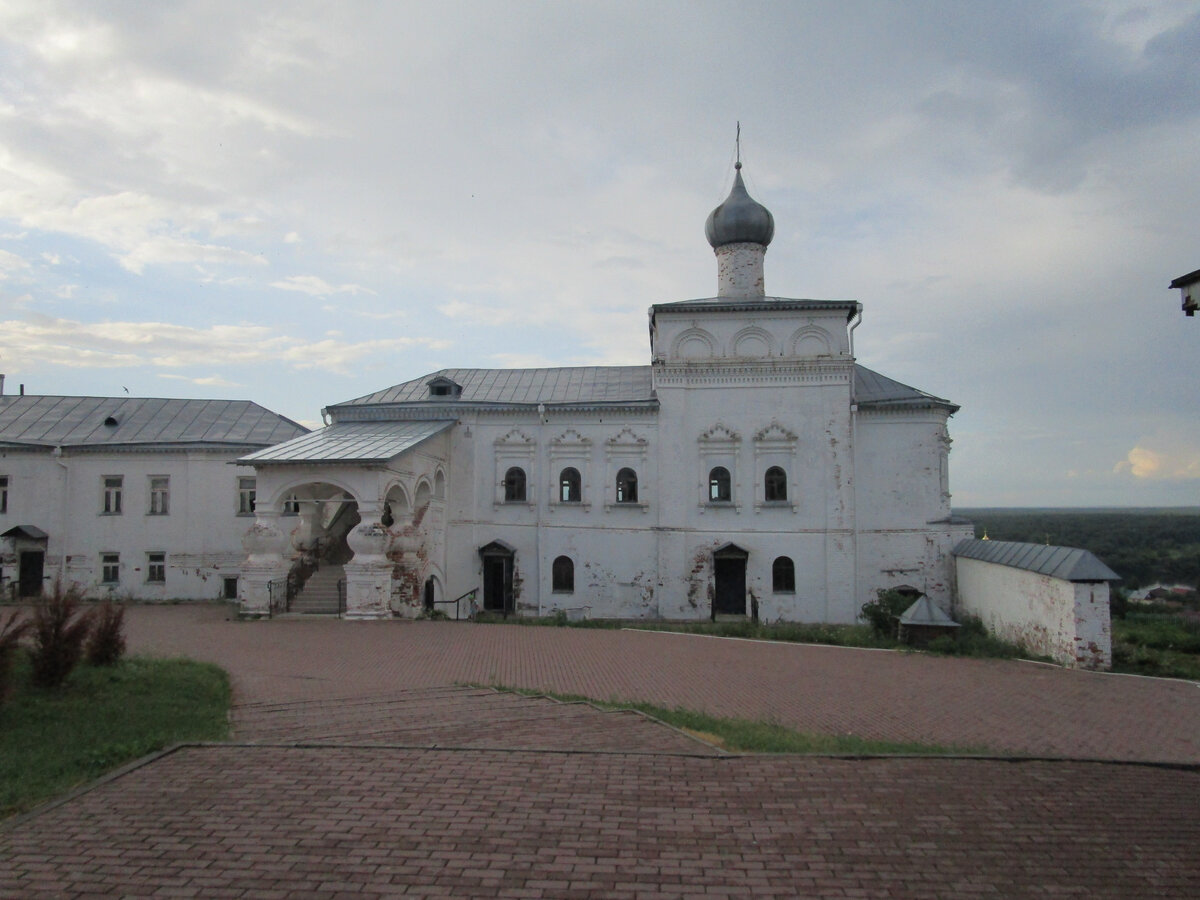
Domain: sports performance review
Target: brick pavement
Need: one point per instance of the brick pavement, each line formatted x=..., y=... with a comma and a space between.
x=999, y=705
x=319, y=798
x=261, y=822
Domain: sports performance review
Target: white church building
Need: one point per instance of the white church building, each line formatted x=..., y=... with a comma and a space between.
x=752, y=468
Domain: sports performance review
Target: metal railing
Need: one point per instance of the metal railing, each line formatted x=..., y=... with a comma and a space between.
x=278, y=595
x=457, y=601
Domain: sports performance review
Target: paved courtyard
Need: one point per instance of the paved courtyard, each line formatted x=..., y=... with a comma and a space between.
x=362, y=766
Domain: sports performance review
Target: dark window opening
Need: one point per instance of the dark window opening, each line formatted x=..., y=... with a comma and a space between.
x=230, y=586
x=4, y=494
x=514, y=485
x=783, y=576
x=160, y=494
x=562, y=575
x=775, y=485
x=247, y=496
x=627, y=486
x=570, y=486
x=291, y=506
x=110, y=568
x=112, y=494
x=156, y=568
x=720, y=487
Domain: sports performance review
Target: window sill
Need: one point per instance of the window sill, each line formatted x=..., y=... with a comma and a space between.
x=720, y=504
x=644, y=507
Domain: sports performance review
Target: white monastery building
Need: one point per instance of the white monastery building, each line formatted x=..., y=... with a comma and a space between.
x=137, y=498
x=753, y=468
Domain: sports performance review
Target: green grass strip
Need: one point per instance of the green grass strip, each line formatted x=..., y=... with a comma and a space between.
x=102, y=718
x=749, y=736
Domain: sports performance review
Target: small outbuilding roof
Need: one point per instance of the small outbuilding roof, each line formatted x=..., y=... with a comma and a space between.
x=93, y=422
x=350, y=442
x=926, y=612
x=1067, y=563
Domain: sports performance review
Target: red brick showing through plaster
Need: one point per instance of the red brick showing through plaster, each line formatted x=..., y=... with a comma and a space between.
x=998, y=705
x=266, y=822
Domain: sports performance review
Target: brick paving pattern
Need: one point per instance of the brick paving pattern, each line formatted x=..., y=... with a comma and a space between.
x=256, y=822
x=365, y=768
x=1003, y=706
x=460, y=717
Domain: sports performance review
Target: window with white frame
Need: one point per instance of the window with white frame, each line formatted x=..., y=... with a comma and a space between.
x=156, y=568
x=720, y=486
x=774, y=458
x=719, y=449
x=113, y=486
x=160, y=495
x=514, y=457
x=247, y=495
x=626, y=455
x=570, y=466
x=570, y=485
x=110, y=568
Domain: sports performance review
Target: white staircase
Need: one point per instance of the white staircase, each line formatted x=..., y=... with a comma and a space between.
x=319, y=596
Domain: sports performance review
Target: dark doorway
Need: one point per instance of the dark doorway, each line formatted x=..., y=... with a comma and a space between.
x=729, y=573
x=429, y=595
x=33, y=564
x=498, y=560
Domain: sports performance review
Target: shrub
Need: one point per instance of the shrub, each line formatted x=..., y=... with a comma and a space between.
x=11, y=632
x=59, y=631
x=883, y=613
x=107, y=642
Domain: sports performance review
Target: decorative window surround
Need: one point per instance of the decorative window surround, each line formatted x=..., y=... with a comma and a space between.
x=720, y=446
x=625, y=450
x=571, y=450
x=775, y=445
x=516, y=449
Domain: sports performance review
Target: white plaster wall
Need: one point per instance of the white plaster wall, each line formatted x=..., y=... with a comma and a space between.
x=1056, y=618
x=201, y=534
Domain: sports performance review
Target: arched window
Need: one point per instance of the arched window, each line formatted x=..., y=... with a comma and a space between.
x=627, y=486
x=562, y=575
x=783, y=576
x=719, y=487
x=570, y=486
x=514, y=484
x=775, y=485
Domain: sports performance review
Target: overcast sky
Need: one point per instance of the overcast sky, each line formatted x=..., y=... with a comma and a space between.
x=300, y=203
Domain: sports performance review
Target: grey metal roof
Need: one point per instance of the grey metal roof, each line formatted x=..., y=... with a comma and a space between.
x=350, y=442
x=740, y=218
x=576, y=384
x=599, y=384
x=926, y=612
x=1068, y=563
x=874, y=390
x=27, y=531
x=53, y=421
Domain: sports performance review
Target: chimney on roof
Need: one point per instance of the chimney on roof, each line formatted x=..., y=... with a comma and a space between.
x=22, y=390
x=1, y=385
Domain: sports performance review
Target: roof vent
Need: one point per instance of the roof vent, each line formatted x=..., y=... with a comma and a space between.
x=111, y=422
x=444, y=387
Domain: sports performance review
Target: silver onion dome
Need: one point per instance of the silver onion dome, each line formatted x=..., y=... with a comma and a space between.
x=740, y=219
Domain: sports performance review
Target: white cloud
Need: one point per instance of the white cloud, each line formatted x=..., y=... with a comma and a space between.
x=62, y=342
x=317, y=287
x=208, y=380
x=1161, y=459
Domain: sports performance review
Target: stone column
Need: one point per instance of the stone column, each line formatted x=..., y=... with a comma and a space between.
x=264, y=544
x=369, y=573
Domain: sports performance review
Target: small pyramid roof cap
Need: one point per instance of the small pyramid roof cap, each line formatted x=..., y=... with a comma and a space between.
x=740, y=219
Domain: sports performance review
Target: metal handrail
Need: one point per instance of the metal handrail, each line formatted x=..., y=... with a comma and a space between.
x=457, y=600
x=277, y=595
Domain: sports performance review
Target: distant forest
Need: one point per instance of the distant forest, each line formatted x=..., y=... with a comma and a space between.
x=1143, y=546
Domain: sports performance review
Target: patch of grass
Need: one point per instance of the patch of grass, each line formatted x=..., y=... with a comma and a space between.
x=749, y=736
x=1162, y=643
x=101, y=718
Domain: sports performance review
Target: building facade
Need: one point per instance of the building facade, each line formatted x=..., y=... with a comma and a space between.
x=130, y=497
x=752, y=468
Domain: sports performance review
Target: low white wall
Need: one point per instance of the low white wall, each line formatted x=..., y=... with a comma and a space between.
x=1067, y=621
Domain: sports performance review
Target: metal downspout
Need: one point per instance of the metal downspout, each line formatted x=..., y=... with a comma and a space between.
x=854, y=458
